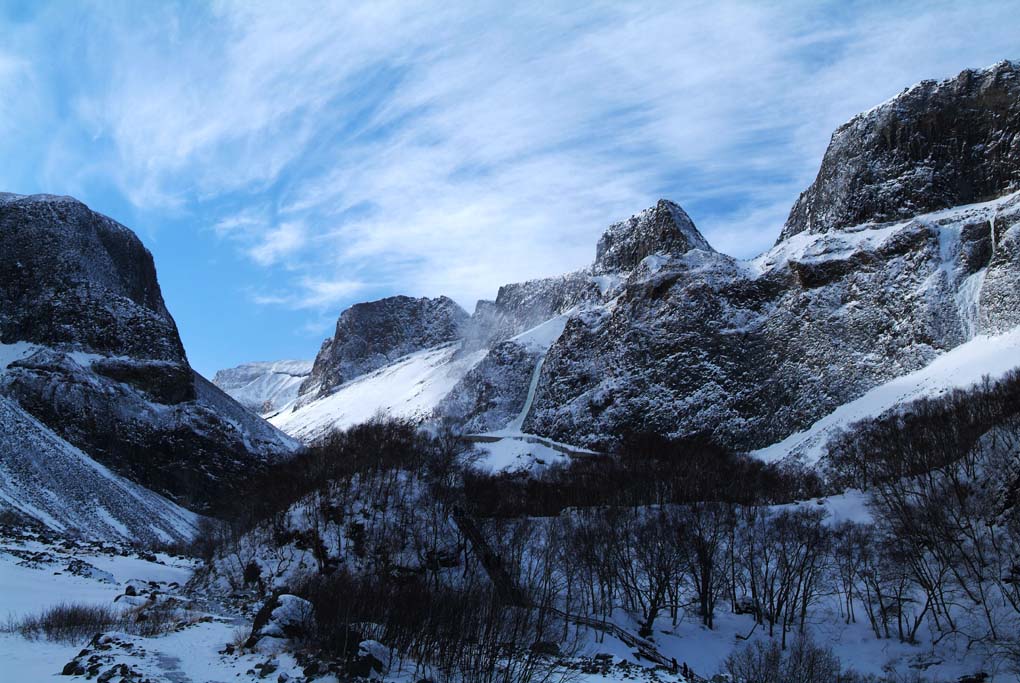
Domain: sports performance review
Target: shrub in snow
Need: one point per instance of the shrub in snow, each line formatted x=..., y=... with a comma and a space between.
x=283, y=620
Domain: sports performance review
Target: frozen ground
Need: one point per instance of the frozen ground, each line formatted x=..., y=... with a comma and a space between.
x=34, y=575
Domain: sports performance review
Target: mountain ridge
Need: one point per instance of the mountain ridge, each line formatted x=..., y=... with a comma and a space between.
x=664, y=333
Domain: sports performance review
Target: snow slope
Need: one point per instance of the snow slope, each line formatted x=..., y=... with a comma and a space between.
x=264, y=387
x=408, y=388
x=45, y=477
x=960, y=367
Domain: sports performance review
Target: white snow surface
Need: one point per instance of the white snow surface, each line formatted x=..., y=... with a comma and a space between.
x=961, y=367
x=410, y=387
x=544, y=335
x=807, y=247
x=515, y=455
x=186, y=654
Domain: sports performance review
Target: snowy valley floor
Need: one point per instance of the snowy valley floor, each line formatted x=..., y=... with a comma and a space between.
x=38, y=573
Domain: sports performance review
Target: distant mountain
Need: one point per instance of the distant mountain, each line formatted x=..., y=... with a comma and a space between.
x=371, y=335
x=905, y=247
x=91, y=353
x=264, y=388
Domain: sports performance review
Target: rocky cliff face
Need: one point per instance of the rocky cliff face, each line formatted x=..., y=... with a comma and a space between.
x=662, y=229
x=752, y=351
x=100, y=363
x=936, y=145
x=673, y=337
x=370, y=335
x=75, y=279
x=906, y=246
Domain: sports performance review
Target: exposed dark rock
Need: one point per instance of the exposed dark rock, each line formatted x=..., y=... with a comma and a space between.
x=936, y=145
x=370, y=335
x=106, y=370
x=697, y=342
x=281, y=621
x=493, y=392
x=523, y=305
x=73, y=278
x=662, y=229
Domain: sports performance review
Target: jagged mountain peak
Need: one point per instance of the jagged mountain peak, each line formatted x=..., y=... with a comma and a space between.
x=936, y=145
x=663, y=228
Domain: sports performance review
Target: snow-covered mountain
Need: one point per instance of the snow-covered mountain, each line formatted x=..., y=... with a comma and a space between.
x=264, y=388
x=410, y=387
x=901, y=251
x=45, y=478
x=370, y=335
x=93, y=368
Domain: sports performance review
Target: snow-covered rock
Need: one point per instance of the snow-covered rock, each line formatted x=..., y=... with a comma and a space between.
x=934, y=146
x=264, y=388
x=282, y=620
x=373, y=334
x=410, y=387
x=662, y=229
x=45, y=478
x=91, y=352
x=906, y=246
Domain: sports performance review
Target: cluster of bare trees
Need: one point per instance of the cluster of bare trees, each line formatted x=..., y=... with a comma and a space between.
x=445, y=633
x=682, y=561
x=662, y=531
x=942, y=478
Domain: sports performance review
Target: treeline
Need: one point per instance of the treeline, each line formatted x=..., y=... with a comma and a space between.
x=644, y=469
x=927, y=435
x=367, y=449
x=943, y=477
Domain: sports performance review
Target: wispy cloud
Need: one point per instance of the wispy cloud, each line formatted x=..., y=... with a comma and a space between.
x=441, y=149
x=278, y=243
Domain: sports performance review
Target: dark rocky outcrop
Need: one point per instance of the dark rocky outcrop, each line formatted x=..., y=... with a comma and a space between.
x=751, y=352
x=936, y=145
x=370, y=335
x=668, y=335
x=662, y=229
x=70, y=276
x=493, y=392
x=523, y=305
x=104, y=367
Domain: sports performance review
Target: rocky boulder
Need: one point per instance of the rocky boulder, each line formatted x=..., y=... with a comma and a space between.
x=282, y=621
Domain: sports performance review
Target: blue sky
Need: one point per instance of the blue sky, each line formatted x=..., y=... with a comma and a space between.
x=287, y=159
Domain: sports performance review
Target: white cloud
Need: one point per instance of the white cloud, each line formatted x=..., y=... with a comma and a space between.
x=310, y=293
x=280, y=242
x=441, y=149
